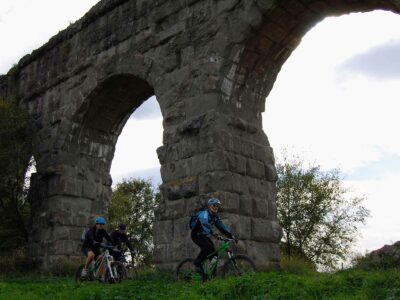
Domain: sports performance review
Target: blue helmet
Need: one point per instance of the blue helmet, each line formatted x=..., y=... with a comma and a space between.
x=213, y=201
x=100, y=220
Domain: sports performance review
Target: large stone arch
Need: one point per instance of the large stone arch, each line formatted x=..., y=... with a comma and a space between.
x=211, y=65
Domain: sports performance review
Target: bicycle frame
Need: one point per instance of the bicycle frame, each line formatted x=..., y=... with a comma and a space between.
x=106, y=258
x=225, y=247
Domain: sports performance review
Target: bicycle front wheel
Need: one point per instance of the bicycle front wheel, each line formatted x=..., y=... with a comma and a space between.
x=238, y=265
x=132, y=272
x=186, y=270
x=118, y=272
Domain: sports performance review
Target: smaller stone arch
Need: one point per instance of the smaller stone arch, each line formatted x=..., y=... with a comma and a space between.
x=77, y=180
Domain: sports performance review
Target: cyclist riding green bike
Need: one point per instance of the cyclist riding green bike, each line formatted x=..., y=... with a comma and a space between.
x=201, y=224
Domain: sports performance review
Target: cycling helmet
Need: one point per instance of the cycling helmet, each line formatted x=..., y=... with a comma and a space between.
x=122, y=226
x=100, y=220
x=214, y=201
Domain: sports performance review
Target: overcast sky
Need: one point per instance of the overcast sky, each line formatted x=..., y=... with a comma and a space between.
x=335, y=102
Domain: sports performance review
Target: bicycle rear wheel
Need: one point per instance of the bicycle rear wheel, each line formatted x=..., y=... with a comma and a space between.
x=132, y=273
x=186, y=271
x=238, y=265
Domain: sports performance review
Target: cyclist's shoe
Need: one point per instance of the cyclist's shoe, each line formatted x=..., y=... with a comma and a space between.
x=84, y=272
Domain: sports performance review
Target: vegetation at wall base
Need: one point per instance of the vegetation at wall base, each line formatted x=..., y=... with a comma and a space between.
x=15, y=154
x=348, y=284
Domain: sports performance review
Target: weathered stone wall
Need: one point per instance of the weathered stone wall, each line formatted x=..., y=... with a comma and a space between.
x=211, y=64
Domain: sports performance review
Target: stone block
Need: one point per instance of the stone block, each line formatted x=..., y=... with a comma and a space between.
x=196, y=105
x=61, y=233
x=230, y=201
x=163, y=232
x=63, y=247
x=220, y=161
x=266, y=256
x=239, y=224
x=255, y=169
x=188, y=147
x=76, y=232
x=247, y=149
x=173, y=252
x=98, y=207
x=179, y=188
x=199, y=163
x=252, y=14
x=63, y=185
x=240, y=164
x=193, y=204
x=214, y=181
x=270, y=173
x=266, y=5
x=90, y=190
x=72, y=204
x=181, y=230
x=246, y=205
x=174, y=209
x=266, y=231
x=260, y=207
x=214, y=141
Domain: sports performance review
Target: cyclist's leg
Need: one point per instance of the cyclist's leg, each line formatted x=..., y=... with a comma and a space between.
x=207, y=247
x=89, y=257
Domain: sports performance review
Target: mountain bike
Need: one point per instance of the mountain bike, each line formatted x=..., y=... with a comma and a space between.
x=235, y=265
x=114, y=271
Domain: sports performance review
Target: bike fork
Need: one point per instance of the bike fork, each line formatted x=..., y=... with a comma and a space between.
x=109, y=268
x=235, y=267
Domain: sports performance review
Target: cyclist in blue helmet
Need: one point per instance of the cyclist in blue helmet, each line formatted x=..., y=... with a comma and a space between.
x=93, y=238
x=201, y=226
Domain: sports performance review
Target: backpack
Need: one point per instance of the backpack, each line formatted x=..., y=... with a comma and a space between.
x=85, y=230
x=193, y=219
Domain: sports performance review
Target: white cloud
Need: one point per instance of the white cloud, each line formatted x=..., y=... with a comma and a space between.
x=382, y=200
x=381, y=62
x=338, y=121
x=136, y=147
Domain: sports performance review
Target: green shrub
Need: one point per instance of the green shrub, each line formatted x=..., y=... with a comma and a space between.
x=297, y=265
x=65, y=267
x=16, y=261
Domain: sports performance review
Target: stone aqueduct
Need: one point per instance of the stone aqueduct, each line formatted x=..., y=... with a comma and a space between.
x=211, y=65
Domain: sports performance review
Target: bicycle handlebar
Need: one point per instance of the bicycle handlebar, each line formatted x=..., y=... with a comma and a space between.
x=109, y=247
x=221, y=238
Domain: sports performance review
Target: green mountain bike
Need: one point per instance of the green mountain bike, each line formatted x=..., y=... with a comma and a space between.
x=235, y=265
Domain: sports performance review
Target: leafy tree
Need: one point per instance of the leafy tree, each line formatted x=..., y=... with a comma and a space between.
x=318, y=217
x=15, y=147
x=133, y=203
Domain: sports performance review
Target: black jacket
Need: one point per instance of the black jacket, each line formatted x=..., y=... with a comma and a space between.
x=120, y=237
x=95, y=236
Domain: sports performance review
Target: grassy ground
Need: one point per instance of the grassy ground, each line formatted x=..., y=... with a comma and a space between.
x=351, y=284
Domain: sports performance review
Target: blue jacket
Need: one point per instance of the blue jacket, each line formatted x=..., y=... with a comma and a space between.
x=206, y=220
